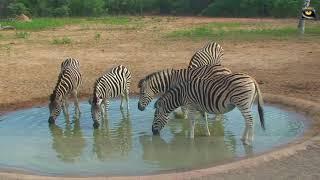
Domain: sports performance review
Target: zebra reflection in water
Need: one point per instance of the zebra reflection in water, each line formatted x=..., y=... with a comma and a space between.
x=110, y=143
x=221, y=145
x=68, y=142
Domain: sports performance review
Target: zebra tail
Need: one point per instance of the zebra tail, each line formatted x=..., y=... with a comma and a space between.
x=260, y=106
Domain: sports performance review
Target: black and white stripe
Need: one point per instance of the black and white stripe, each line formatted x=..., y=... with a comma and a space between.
x=211, y=53
x=114, y=83
x=217, y=95
x=68, y=83
x=160, y=82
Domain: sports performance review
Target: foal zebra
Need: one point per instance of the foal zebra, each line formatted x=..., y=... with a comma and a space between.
x=114, y=83
x=211, y=53
x=217, y=95
x=68, y=83
x=162, y=81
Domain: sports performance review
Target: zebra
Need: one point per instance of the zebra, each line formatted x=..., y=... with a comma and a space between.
x=114, y=83
x=217, y=95
x=211, y=53
x=161, y=81
x=69, y=81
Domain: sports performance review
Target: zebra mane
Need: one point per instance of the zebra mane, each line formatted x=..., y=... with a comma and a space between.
x=94, y=97
x=149, y=76
x=54, y=93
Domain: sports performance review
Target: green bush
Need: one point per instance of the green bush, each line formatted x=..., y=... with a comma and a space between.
x=17, y=9
x=61, y=11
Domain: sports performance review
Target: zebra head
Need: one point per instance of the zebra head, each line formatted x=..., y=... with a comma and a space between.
x=55, y=105
x=146, y=94
x=96, y=110
x=160, y=118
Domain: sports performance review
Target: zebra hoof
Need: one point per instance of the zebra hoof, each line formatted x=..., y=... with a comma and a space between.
x=245, y=141
x=51, y=120
x=96, y=125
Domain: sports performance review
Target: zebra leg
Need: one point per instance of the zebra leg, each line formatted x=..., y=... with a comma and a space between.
x=184, y=111
x=246, y=113
x=104, y=110
x=76, y=104
x=205, y=116
x=121, y=105
x=192, y=121
x=127, y=98
x=65, y=108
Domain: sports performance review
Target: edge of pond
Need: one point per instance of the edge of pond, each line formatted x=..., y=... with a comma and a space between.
x=310, y=109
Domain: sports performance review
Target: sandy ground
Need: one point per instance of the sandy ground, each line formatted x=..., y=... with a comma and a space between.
x=29, y=70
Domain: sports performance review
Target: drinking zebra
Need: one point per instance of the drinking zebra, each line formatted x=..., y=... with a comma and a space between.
x=161, y=81
x=114, y=83
x=218, y=95
x=68, y=83
x=211, y=53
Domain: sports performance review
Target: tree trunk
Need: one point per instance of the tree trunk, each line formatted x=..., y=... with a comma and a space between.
x=301, y=24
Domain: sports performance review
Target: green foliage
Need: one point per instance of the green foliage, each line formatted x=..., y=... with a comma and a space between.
x=226, y=8
x=17, y=8
x=23, y=35
x=61, y=11
x=252, y=32
x=87, y=8
x=61, y=41
x=41, y=23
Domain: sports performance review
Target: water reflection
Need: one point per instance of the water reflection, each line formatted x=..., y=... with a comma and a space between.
x=68, y=142
x=110, y=143
x=181, y=150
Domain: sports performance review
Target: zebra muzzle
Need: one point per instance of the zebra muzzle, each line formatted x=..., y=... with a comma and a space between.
x=51, y=120
x=155, y=131
x=141, y=108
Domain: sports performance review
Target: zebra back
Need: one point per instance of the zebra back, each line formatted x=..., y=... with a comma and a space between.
x=70, y=62
x=112, y=84
x=69, y=78
x=212, y=53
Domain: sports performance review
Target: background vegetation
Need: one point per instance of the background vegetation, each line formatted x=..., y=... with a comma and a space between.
x=225, y=8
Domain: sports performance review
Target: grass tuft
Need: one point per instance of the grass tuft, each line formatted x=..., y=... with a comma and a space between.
x=97, y=36
x=62, y=41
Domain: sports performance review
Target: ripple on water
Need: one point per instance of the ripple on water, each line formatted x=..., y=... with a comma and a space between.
x=124, y=144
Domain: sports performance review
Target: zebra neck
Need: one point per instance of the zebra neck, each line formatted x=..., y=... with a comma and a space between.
x=56, y=95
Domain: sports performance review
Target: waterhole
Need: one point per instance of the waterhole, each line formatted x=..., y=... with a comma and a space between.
x=124, y=144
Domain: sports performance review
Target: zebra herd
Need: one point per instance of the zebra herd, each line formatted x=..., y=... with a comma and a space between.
x=205, y=86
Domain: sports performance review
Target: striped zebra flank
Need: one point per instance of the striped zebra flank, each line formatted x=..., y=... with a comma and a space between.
x=217, y=95
x=211, y=53
x=113, y=84
x=159, y=82
x=68, y=83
